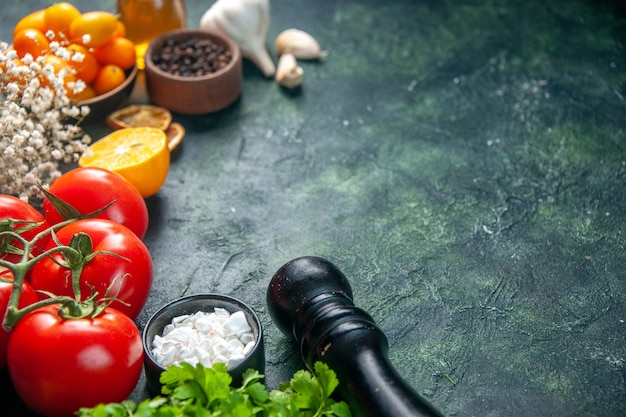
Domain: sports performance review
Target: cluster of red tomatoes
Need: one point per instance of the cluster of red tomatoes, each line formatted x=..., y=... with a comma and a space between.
x=58, y=365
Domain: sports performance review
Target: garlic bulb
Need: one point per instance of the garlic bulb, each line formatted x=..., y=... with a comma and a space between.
x=299, y=43
x=246, y=22
x=288, y=73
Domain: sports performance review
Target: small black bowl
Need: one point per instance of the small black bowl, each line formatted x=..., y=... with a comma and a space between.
x=190, y=305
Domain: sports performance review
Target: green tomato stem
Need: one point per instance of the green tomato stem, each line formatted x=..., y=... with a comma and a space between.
x=21, y=268
x=14, y=315
x=76, y=271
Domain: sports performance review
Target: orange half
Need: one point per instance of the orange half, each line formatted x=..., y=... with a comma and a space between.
x=139, y=154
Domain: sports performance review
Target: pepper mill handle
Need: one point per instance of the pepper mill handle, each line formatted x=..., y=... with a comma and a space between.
x=310, y=299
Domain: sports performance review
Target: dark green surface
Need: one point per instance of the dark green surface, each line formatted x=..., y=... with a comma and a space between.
x=463, y=163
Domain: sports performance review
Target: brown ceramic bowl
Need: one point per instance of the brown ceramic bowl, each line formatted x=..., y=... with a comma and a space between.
x=104, y=104
x=193, y=94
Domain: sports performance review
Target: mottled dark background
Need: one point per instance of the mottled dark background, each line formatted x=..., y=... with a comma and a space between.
x=463, y=163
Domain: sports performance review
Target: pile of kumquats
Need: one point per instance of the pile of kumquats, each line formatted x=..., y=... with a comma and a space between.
x=95, y=46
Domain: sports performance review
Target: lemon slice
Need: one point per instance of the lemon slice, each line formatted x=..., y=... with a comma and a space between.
x=175, y=134
x=139, y=154
x=140, y=115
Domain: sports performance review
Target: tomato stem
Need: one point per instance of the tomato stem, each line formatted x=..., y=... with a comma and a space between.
x=21, y=268
x=13, y=315
x=67, y=211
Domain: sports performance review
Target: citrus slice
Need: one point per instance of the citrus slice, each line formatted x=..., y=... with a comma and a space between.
x=140, y=115
x=139, y=154
x=175, y=134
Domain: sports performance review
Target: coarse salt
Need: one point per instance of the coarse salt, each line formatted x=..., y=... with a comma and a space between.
x=205, y=338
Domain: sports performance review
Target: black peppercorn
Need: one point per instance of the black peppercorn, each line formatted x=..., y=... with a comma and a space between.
x=192, y=57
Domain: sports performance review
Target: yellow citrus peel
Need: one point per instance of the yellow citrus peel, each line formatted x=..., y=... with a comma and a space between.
x=139, y=154
x=140, y=115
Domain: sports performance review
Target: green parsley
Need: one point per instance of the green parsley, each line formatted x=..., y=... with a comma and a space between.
x=207, y=392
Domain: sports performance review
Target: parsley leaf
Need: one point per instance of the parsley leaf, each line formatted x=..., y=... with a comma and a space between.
x=196, y=391
x=327, y=379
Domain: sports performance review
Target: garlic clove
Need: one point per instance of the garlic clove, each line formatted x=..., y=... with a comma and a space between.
x=299, y=43
x=288, y=73
x=246, y=22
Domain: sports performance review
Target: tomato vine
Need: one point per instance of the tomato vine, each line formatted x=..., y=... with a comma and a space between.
x=67, y=326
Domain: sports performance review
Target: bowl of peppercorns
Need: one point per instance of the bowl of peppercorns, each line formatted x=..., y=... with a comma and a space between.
x=193, y=71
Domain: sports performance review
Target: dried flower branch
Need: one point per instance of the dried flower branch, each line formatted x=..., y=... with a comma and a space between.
x=39, y=125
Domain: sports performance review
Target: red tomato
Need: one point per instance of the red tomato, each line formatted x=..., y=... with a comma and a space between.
x=13, y=208
x=58, y=366
x=90, y=189
x=27, y=297
x=129, y=280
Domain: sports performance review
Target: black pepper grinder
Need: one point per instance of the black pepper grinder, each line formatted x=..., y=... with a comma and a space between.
x=310, y=299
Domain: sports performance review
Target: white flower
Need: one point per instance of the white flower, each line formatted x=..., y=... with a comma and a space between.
x=18, y=140
x=73, y=111
x=37, y=143
x=56, y=154
x=11, y=54
x=65, y=55
x=9, y=152
x=13, y=88
x=78, y=57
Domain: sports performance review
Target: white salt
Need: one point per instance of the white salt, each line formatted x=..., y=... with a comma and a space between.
x=205, y=338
